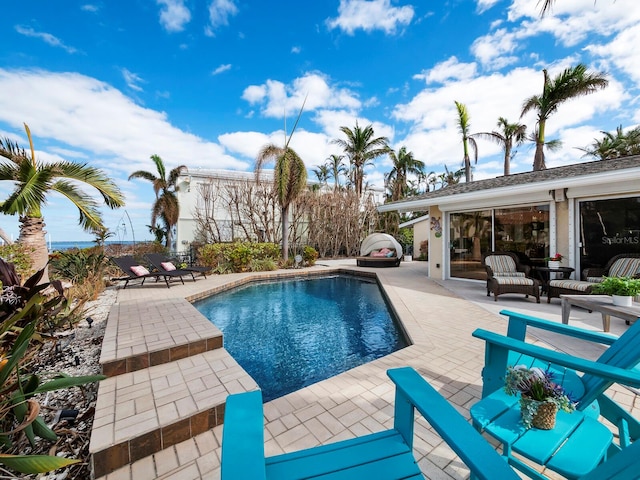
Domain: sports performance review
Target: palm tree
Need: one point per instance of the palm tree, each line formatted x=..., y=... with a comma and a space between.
x=404, y=164
x=615, y=145
x=510, y=135
x=336, y=165
x=322, y=173
x=572, y=82
x=166, y=206
x=289, y=181
x=361, y=148
x=450, y=178
x=34, y=180
x=463, y=128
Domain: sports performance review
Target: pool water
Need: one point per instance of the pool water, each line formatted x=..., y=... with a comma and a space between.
x=290, y=334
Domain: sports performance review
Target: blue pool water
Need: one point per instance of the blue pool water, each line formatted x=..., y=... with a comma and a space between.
x=290, y=334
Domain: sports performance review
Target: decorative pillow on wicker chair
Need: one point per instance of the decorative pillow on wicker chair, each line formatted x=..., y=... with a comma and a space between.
x=139, y=270
x=168, y=266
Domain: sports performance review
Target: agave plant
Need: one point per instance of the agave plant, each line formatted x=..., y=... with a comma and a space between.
x=22, y=309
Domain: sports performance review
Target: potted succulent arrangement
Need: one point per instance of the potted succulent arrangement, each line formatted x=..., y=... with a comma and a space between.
x=540, y=397
x=554, y=262
x=621, y=289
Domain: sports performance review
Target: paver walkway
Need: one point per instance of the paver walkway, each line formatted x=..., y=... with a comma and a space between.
x=359, y=401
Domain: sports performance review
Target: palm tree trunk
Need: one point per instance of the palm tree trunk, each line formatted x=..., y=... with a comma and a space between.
x=32, y=234
x=467, y=168
x=507, y=160
x=538, y=159
x=285, y=233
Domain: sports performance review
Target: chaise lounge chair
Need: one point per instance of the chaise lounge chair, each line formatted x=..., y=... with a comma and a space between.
x=623, y=265
x=134, y=271
x=165, y=264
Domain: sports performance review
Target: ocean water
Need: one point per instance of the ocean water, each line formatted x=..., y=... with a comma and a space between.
x=290, y=334
x=62, y=246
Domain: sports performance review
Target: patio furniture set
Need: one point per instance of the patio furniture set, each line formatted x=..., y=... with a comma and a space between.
x=506, y=274
x=597, y=441
x=158, y=267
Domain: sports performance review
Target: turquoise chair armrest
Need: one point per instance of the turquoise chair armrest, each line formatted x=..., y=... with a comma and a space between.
x=518, y=323
x=414, y=392
x=243, y=437
x=497, y=351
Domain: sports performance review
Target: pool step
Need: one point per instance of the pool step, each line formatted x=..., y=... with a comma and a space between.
x=141, y=334
x=142, y=412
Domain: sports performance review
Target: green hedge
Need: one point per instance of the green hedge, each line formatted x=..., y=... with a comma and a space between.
x=240, y=256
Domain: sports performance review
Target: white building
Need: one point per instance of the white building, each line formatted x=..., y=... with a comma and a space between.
x=220, y=186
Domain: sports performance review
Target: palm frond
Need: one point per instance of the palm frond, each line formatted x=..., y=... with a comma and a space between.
x=90, y=218
x=93, y=177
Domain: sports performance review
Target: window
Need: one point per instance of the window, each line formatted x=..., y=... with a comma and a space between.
x=608, y=228
x=523, y=230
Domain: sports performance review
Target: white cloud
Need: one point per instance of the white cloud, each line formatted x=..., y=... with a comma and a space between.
x=296, y=49
x=618, y=52
x=277, y=98
x=46, y=37
x=370, y=15
x=431, y=115
x=571, y=22
x=219, y=13
x=174, y=15
x=84, y=114
x=450, y=69
x=90, y=8
x=221, y=69
x=132, y=80
x=484, y=5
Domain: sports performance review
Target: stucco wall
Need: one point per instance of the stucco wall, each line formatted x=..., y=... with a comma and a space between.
x=420, y=234
x=436, y=243
x=562, y=232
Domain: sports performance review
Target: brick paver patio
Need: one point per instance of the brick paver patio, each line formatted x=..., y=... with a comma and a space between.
x=439, y=323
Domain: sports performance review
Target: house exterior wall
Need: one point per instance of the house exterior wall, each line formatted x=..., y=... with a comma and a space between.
x=420, y=234
x=437, y=239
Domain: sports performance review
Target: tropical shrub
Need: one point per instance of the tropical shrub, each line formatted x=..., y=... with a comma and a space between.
x=20, y=256
x=424, y=250
x=22, y=310
x=238, y=256
x=85, y=269
x=263, y=265
x=309, y=255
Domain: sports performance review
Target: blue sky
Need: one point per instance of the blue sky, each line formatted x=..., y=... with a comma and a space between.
x=207, y=83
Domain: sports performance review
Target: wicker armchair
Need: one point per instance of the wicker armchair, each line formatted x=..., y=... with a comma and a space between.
x=623, y=265
x=505, y=274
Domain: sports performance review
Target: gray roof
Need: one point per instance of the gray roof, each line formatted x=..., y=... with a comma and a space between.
x=557, y=173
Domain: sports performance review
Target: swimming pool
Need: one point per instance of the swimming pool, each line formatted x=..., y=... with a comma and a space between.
x=293, y=333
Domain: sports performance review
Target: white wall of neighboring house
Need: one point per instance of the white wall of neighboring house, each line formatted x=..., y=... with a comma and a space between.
x=190, y=199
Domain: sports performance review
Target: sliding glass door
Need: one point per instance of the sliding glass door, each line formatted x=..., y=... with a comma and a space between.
x=522, y=230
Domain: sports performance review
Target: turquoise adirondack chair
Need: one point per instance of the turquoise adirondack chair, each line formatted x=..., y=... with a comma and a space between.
x=579, y=442
x=383, y=455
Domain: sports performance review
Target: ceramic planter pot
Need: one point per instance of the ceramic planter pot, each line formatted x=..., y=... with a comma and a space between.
x=622, y=300
x=552, y=264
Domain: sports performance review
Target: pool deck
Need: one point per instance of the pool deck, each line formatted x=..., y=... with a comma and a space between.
x=439, y=317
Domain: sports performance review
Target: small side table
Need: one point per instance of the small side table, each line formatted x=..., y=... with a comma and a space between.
x=544, y=274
